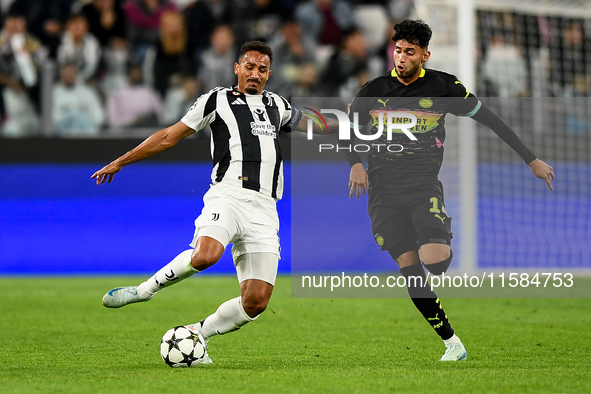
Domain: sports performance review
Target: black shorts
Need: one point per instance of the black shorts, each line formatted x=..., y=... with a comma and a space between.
x=398, y=216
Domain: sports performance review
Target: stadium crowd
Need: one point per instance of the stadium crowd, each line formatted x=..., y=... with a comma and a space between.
x=120, y=64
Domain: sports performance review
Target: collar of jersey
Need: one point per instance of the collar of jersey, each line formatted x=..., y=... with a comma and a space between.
x=394, y=74
x=235, y=89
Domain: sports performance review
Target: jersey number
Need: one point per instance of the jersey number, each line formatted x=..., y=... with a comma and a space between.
x=435, y=206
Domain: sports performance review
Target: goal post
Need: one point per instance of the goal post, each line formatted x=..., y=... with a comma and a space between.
x=468, y=162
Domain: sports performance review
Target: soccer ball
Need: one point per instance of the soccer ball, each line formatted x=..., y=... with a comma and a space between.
x=181, y=346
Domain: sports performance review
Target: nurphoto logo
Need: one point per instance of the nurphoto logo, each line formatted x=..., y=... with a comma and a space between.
x=394, y=121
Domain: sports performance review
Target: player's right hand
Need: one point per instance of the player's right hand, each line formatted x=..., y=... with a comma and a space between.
x=358, y=180
x=106, y=172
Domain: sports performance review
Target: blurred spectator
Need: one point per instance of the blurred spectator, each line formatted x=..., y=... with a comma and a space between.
x=80, y=47
x=324, y=21
x=106, y=21
x=373, y=21
x=306, y=84
x=143, y=22
x=179, y=99
x=390, y=47
x=202, y=16
x=77, y=109
x=578, y=104
x=504, y=68
x=570, y=56
x=290, y=51
x=400, y=9
x=45, y=19
x=115, y=60
x=171, y=55
x=218, y=61
x=182, y=4
x=20, y=57
x=262, y=20
x=5, y=6
x=347, y=68
x=136, y=104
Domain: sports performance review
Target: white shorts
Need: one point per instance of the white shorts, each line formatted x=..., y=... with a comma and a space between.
x=249, y=219
x=260, y=266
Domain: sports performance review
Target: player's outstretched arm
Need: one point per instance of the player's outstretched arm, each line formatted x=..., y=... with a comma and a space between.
x=540, y=169
x=331, y=127
x=358, y=181
x=156, y=143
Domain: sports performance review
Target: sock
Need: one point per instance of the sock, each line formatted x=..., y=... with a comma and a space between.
x=229, y=317
x=178, y=269
x=426, y=301
x=453, y=339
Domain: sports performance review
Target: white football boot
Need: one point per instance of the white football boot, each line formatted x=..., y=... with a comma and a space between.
x=196, y=327
x=121, y=296
x=455, y=352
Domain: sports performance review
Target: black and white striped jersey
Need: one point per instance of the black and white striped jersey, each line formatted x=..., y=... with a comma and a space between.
x=244, y=139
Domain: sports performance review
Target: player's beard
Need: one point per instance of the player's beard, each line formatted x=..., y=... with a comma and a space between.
x=255, y=89
x=408, y=72
x=251, y=90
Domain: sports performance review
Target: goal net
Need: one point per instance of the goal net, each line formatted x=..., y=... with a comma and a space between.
x=533, y=68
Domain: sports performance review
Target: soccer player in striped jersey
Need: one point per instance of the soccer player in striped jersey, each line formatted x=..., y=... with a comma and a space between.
x=406, y=205
x=246, y=182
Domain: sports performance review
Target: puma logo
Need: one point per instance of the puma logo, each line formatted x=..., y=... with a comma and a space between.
x=439, y=217
x=457, y=82
x=383, y=102
x=434, y=318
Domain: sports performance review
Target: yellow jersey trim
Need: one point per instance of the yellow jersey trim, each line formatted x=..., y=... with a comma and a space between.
x=394, y=74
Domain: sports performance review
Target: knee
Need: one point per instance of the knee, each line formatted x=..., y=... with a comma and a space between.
x=439, y=267
x=207, y=252
x=435, y=254
x=203, y=260
x=254, y=305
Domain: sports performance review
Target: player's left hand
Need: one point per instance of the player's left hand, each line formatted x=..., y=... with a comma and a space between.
x=543, y=171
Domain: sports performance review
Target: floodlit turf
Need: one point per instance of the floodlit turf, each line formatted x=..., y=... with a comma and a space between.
x=57, y=337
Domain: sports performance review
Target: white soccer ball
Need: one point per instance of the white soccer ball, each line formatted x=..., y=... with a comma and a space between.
x=181, y=346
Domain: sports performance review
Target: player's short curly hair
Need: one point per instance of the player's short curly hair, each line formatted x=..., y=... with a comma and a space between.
x=258, y=46
x=415, y=32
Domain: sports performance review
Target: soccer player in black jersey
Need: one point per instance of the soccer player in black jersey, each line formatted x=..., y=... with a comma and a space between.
x=406, y=203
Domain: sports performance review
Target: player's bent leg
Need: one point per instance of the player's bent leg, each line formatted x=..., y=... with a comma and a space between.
x=209, y=247
x=210, y=242
x=434, y=250
x=255, y=296
x=256, y=274
x=427, y=302
x=436, y=257
x=207, y=252
x=178, y=269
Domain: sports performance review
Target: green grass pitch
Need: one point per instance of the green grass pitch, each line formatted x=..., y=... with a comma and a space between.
x=56, y=337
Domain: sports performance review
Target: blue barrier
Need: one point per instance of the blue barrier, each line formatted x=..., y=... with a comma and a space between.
x=55, y=220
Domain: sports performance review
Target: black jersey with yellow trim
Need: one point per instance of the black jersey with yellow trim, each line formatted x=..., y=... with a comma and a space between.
x=401, y=162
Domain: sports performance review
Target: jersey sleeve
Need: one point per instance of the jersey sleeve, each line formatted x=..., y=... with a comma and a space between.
x=360, y=106
x=462, y=103
x=291, y=116
x=202, y=112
